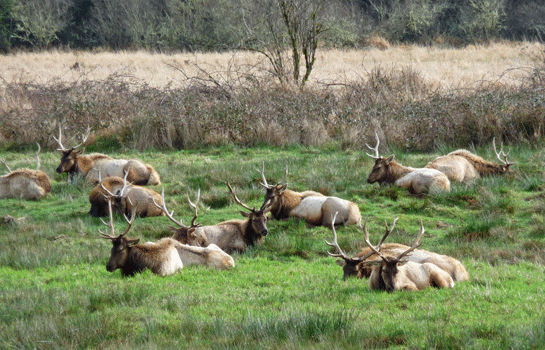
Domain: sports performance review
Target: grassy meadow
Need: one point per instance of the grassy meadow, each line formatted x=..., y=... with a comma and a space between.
x=203, y=119
x=287, y=293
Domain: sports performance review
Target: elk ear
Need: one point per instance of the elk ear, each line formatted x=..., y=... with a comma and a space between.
x=402, y=262
x=341, y=263
x=281, y=188
x=133, y=241
x=390, y=159
x=173, y=229
x=245, y=214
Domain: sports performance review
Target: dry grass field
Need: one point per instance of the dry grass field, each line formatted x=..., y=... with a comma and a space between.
x=444, y=68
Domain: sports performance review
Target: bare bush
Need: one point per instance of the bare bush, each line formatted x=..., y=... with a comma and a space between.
x=253, y=109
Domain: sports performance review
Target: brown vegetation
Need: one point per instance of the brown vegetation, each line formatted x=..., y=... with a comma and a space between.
x=410, y=102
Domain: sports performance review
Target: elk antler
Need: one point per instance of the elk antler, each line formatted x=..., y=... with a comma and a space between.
x=415, y=244
x=375, y=250
x=123, y=189
x=265, y=183
x=501, y=153
x=376, y=156
x=59, y=140
x=38, y=157
x=335, y=244
x=238, y=200
x=111, y=223
x=6, y=164
x=165, y=210
x=386, y=234
x=194, y=206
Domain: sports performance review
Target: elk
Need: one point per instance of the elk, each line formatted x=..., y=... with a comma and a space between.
x=186, y=235
x=356, y=266
x=126, y=197
x=74, y=163
x=418, y=181
x=25, y=183
x=313, y=207
x=393, y=273
x=230, y=236
x=464, y=166
x=164, y=257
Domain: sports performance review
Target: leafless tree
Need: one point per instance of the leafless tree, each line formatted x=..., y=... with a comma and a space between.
x=39, y=21
x=286, y=32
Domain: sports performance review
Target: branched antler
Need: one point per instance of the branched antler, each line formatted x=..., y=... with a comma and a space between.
x=376, y=156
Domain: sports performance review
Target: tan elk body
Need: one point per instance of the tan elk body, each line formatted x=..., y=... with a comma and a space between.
x=418, y=181
x=313, y=207
x=125, y=196
x=230, y=236
x=25, y=183
x=464, y=166
x=96, y=165
x=356, y=267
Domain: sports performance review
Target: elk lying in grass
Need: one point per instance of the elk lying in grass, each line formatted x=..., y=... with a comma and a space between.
x=165, y=257
x=231, y=235
x=313, y=207
x=464, y=166
x=125, y=196
x=90, y=166
x=356, y=266
x=393, y=273
x=25, y=183
x=417, y=181
x=162, y=258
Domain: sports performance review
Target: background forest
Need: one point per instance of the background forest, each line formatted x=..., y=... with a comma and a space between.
x=216, y=25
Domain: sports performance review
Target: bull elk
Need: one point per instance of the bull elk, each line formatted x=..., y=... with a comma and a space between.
x=464, y=166
x=232, y=235
x=418, y=181
x=25, y=183
x=313, y=207
x=356, y=267
x=74, y=163
x=165, y=257
x=125, y=196
x=393, y=273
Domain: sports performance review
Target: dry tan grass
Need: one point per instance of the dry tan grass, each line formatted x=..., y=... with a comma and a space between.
x=443, y=67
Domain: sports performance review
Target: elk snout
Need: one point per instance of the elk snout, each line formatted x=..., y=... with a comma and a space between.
x=110, y=267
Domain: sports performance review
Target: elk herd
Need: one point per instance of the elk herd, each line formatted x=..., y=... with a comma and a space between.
x=120, y=186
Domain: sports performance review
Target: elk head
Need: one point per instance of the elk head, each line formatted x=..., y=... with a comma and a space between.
x=257, y=219
x=69, y=155
x=505, y=167
x=121, y=244
x=380, y=172
x=184, y=234
x=352, y=266
x=272, y=192
x=387, y=267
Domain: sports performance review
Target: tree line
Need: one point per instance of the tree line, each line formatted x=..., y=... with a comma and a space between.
x=215, y=25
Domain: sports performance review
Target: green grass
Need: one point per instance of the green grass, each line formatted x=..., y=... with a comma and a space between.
x=287, y=293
